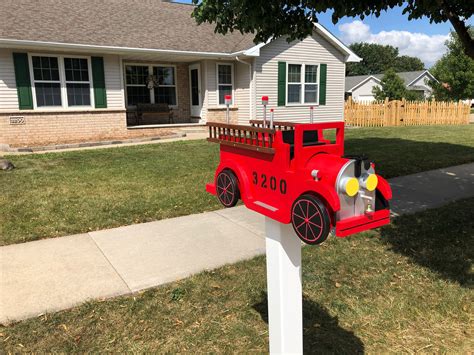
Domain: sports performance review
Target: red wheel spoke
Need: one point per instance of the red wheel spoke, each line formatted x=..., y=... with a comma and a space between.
x=297, y=215
x=301, y=208
x=298, y=226
x=306, y=234
x=317, y=212
x=314, y=224
x=311, y=229
x=230, y=183
x=307, y=209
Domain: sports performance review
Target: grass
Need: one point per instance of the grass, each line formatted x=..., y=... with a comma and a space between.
x=57, y=194
x=404, y=288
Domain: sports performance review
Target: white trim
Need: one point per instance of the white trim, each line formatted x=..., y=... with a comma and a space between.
x=62, y=83
x=195, y=66
x=150, y=72
x=351, y=56
x=419, y=76
x=302, y=83
x=231, y=64
x=112, y=49
x=363, y=82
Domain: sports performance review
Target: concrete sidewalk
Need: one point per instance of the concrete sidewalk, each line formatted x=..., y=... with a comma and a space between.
x=54, y=274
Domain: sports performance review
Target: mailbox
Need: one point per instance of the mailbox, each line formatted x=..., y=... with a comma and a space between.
x=297, y=173
x=227, y=100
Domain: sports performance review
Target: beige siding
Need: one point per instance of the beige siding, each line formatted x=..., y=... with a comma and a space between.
x=242, y=91
x=313, y=49
x=113, y=82
x=364, y=92
x=8, y=93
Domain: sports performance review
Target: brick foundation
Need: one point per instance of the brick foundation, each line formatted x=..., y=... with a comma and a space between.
x=47, y=128
x=218, y=114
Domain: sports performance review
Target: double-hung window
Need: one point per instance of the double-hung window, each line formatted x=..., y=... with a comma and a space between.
x=137, y=90
x=47, y=81
x=150, y=84
x=302, y=84
x=225, y=81
x=61, y=81
x=78, y=84
x=166, y=90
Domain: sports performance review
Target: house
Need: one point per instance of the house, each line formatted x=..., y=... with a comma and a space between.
x=360, y=86
x=75, y=71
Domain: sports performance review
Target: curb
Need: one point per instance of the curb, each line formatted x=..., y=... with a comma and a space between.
x=89, y=144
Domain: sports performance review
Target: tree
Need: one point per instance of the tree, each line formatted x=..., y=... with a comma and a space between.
x=295, y=18
x=407, y=63
x=377, y=58
x=392, y=86
x=454, y=72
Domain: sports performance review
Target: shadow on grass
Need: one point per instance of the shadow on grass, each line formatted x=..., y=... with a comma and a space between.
x=440, y=239
x=397, y=157
x=321, y=331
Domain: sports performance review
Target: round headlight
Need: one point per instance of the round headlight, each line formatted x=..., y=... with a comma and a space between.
x=370, y=182
x=350, y=186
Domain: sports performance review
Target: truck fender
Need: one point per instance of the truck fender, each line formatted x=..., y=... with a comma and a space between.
x=325, y=192
x=240, y=174
x=384, y=188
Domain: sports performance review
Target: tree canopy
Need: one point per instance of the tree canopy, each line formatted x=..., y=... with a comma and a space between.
x=393, y=87
x=294, y=18
x=454, y=72
x=377, y=58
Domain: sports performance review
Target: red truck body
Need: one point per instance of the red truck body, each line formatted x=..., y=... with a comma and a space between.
x=297, y=173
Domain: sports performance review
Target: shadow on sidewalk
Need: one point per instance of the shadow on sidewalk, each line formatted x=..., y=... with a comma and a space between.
x=399, y=157
x=321, y=331
x=440, y=239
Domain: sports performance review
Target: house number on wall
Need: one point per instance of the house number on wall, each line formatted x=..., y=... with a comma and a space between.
x=14, y=120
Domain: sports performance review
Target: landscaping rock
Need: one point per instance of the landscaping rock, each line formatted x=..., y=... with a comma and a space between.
x=6, y=165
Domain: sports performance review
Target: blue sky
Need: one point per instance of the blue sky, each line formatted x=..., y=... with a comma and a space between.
x=415, y=38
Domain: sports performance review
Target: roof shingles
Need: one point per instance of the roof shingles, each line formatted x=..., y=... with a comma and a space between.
x=150, y=24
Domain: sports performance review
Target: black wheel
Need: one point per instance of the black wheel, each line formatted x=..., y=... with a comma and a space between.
x=310, y=219
x=227, y=188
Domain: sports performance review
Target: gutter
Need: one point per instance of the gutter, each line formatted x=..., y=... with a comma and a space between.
x=251, y=98
x=112, y=49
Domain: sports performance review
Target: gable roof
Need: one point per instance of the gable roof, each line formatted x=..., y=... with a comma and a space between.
x=132, y=25
x=150, y=24
x=408, y=77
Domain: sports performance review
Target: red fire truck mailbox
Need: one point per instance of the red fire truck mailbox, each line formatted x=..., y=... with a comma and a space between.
x=298, y=173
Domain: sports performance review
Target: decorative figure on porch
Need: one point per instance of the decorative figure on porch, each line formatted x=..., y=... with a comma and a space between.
x=151, y=82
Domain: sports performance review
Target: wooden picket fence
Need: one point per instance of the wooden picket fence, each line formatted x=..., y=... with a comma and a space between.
x=405, y=113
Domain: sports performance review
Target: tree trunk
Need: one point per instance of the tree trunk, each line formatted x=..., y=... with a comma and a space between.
x=463, y=33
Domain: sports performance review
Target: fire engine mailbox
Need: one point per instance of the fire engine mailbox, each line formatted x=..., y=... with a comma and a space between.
x=298, y=173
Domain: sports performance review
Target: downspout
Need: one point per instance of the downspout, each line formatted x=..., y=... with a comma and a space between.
x=251, y=98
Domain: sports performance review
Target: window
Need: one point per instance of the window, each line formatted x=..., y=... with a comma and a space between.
x=78, y=84
x=302, y=84
x=163, y=90
x=137, y=91
x=166, y=90
x=47, y=81
x=224, y=82
x=61, y=81
x=294, y=83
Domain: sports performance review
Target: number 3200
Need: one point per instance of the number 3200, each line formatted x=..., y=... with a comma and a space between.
x=272, y=182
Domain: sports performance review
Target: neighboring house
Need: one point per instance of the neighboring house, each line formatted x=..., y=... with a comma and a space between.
x=360, y=86
x=74, y=70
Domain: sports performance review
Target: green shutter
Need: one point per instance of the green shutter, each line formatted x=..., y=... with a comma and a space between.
x=322, y=84
x=98, y=78
x=281, y=83
x=23, y=83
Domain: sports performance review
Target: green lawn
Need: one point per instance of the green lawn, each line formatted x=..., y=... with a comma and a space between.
x=57, y=194
x=405, y=288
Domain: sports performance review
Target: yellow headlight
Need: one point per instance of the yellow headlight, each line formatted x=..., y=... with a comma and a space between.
x=351, y=186
x=371, y=182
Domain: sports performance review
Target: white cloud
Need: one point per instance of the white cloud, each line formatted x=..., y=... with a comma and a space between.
x=429, y=48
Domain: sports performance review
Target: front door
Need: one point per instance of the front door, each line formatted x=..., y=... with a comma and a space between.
x=195, y=88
